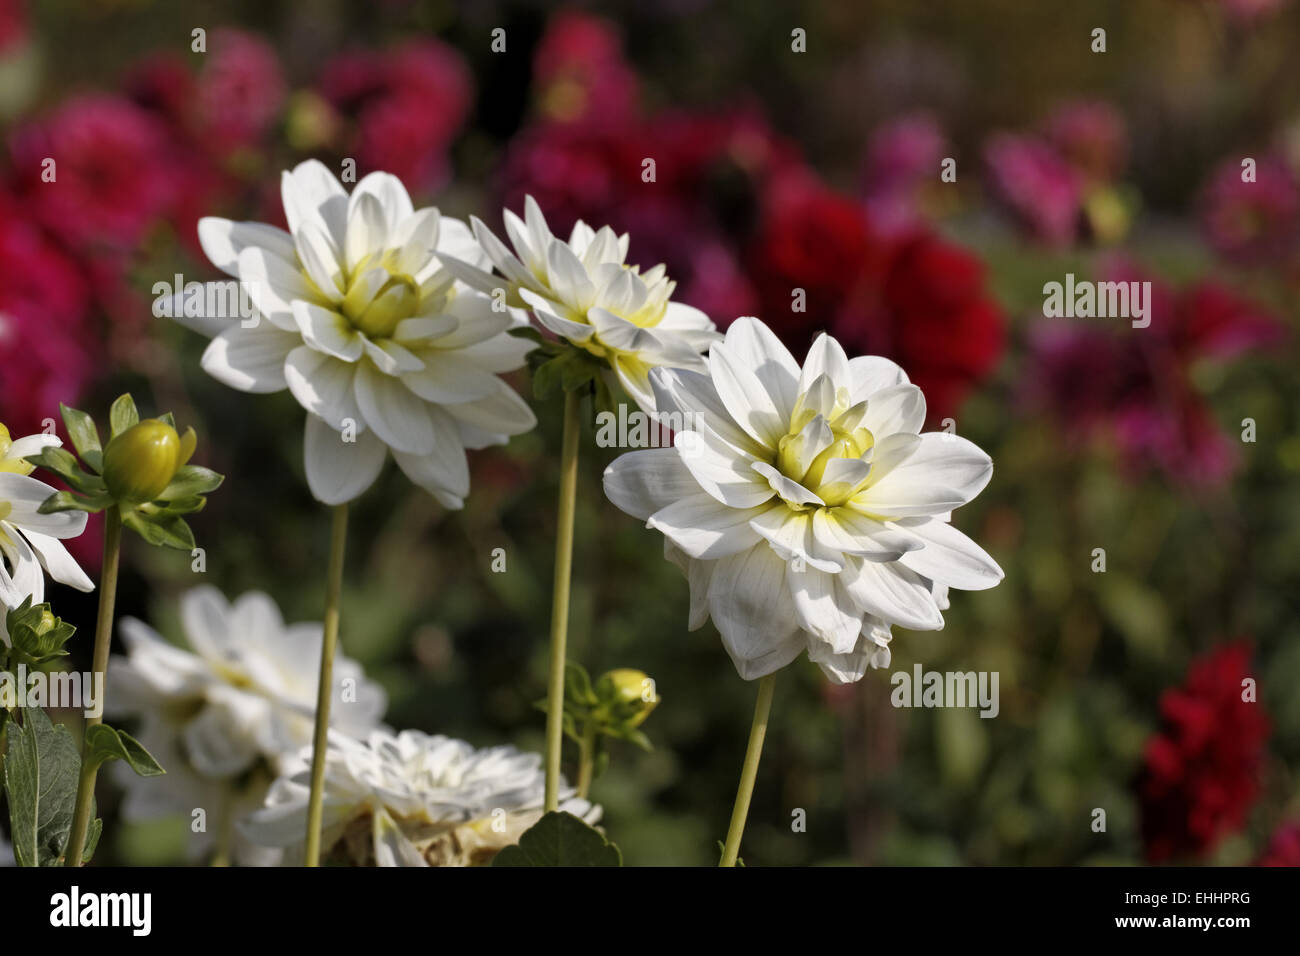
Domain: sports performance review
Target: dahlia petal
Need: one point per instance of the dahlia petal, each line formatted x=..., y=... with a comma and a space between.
x=250, y=360
x=641, y=483
x=338, y=471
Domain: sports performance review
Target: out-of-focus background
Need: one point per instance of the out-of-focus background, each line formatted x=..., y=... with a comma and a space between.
x=784, y=160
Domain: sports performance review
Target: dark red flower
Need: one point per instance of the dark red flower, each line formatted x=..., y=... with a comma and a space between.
x=13, y=24
x=1200, y=773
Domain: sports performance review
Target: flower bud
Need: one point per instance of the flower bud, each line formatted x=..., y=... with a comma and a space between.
x=140, y=463
x=629, y=695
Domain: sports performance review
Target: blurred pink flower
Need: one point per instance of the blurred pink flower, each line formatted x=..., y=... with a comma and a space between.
x=404, y=105
x=1252, y=223
x=580, y=71
x=240, y=91
x=903, y=159
x=1037, y=185
x=47, y=348
x=114, y=172
x=1134, y=386
x=1090, y=135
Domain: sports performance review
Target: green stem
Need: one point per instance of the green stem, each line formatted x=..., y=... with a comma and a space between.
x=325, y=687
x=586, y=758
x=103, y=638
x=757, y=731
x=560, y=600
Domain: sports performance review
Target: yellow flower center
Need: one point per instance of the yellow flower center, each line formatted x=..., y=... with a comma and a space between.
x=377, y=316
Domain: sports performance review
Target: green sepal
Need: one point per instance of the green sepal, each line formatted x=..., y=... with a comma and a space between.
x=67, y=501
x=64, y=464
x=164, y=530
x=192, y=480
x=85, y=436
x=122, y=415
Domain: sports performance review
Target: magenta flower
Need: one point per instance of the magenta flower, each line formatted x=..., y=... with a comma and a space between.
x=1037, y=185
x=1252, y=223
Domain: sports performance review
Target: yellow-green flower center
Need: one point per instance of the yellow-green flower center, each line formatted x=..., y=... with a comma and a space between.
x=377, y=316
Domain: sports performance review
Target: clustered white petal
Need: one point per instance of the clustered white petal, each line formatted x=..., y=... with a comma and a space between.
x=803, y=504
x=375, y=338
x=29, y=541
x=411, y=799
x=584, y=291
x=224, y=710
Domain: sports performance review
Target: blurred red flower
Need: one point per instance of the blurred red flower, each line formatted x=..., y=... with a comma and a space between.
x=1200, y=771
x=113, y=172
x=13, y=24
x=404, y=107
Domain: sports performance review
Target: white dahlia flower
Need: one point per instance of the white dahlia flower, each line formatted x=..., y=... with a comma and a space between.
x=29, y=541
x=584, y=292
x=411, y=799
x=357, y=317
x=805, y=508
x=222, y=711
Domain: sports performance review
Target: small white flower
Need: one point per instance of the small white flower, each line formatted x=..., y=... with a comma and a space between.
x=361, y=322
x=411, y=799
x=221, y=713
x=584, y=292
x=29, y=540
x=804, y=507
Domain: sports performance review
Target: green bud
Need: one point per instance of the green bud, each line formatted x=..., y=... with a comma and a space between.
x=140, y=463
x=627, y=695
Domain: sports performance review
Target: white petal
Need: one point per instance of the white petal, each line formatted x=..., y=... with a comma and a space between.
x=21, y=448
x=222, y=241
x=846, y=531
x=367, y=229
x=273, y=284
x=949, y=556
x=751, y=607
x=502, y=412
x=25, y=495
x=338, y=471
x=393, y=412
x=721, y=470
x=871, y=373
x=826, y=357
x=389, y=193
x=327, y=331
x=26, y=579
x=824, y=608
x=643, y=482
x=790, y=534
x=692, y=393
x=920, y=475
x=57, y=561
x=893, y=593
x=311, y=194
x=758, y=348
x=705, y=529
x=745, y=396
x=476, y=320
x=323, y=386
x=444, y=471
x=898, y=408
x=251, y=360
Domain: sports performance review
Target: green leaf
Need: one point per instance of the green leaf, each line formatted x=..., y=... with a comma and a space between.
x=123, y=415
x=192, y=480
x=577, y=685
x=65, y=465
x=67, y=501
x=41, y=772
x=166, y=531
x=104, y=743
x=560, y=839
x=85, y=436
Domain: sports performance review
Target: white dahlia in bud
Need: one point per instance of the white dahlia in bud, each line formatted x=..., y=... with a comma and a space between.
x=805, y=508
x=585, y=292
x=410, y=799
x=358, y=318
